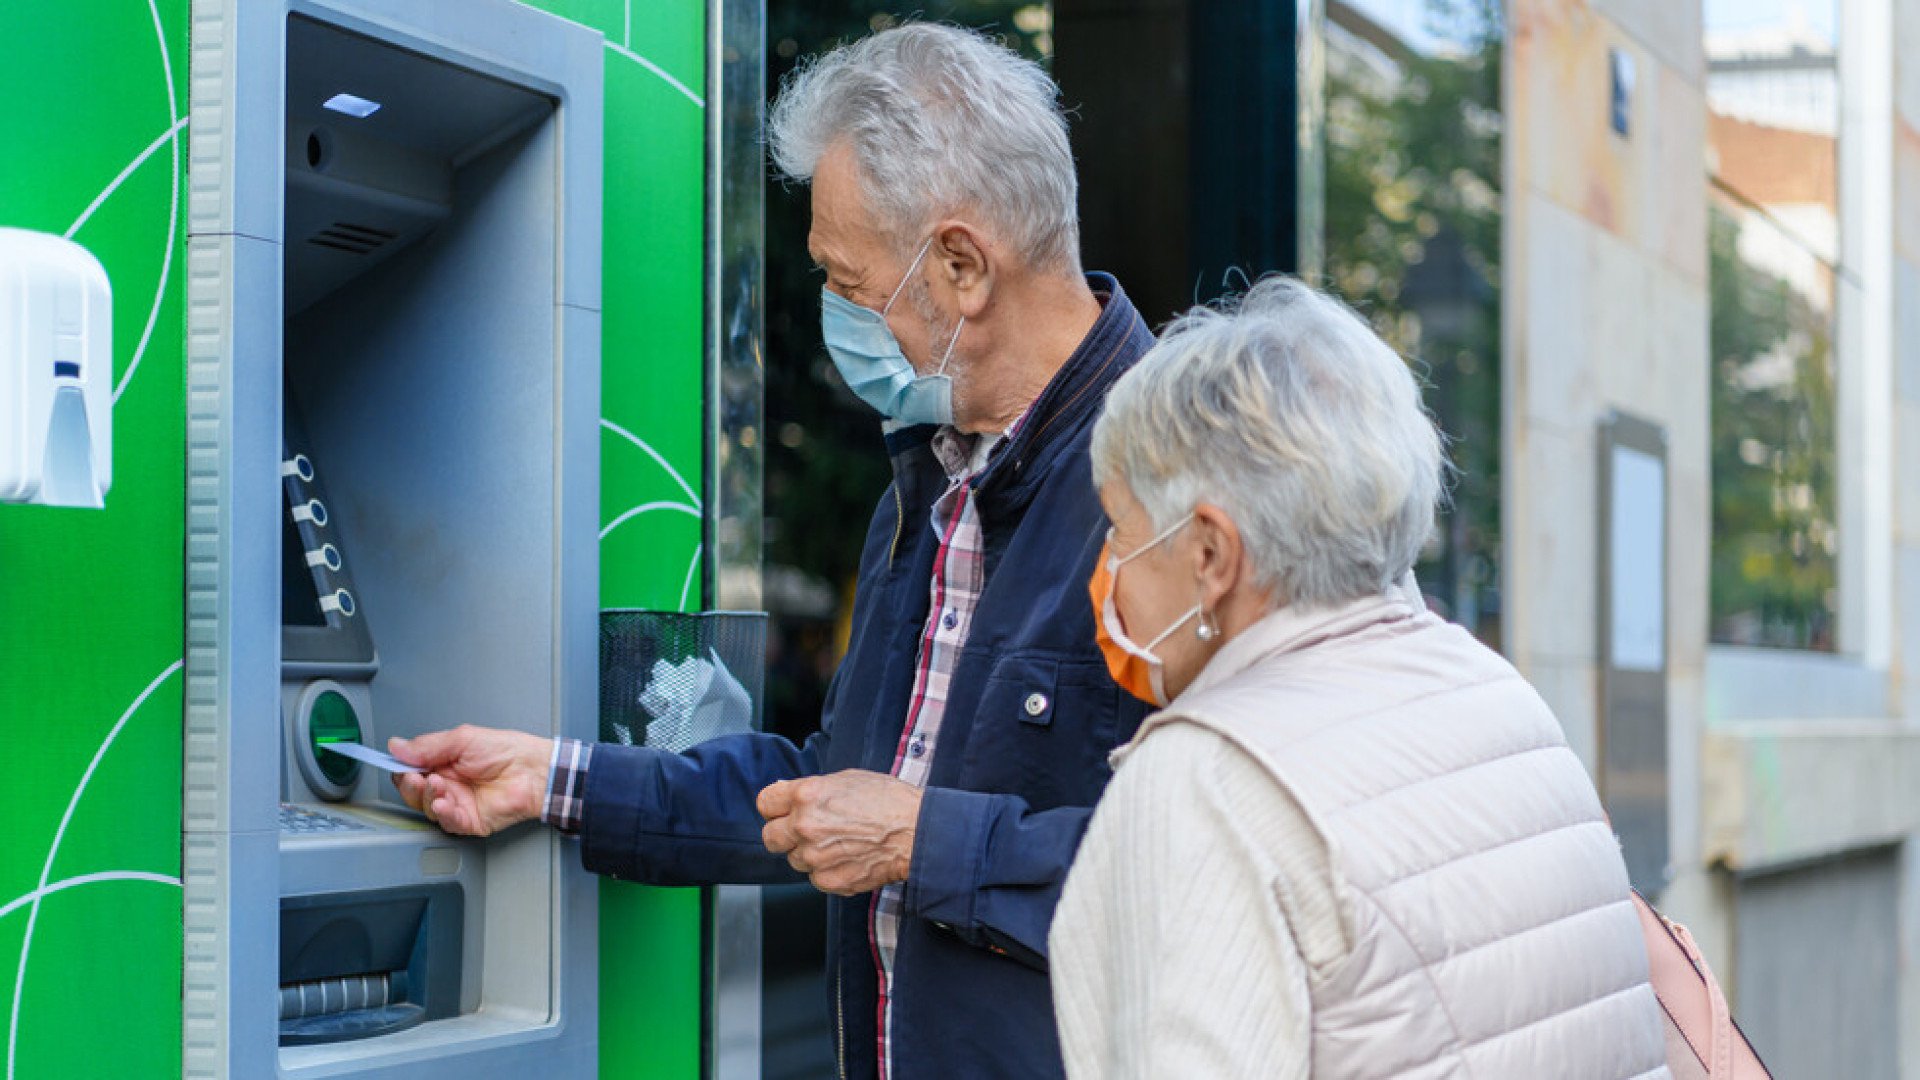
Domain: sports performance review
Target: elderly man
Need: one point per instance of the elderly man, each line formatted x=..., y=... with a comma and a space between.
x=966, y=733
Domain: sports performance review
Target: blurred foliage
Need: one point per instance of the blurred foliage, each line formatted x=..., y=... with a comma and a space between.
x=1413, y=131
x=1774, y=481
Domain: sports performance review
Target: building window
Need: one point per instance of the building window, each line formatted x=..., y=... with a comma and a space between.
x=1412, y=134
x=1776, y=271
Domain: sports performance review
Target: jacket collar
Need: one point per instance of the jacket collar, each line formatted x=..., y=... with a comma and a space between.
x=1282, y=632
x=1118, y=338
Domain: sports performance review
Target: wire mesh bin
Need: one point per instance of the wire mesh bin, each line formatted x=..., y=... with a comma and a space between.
x=672, y=680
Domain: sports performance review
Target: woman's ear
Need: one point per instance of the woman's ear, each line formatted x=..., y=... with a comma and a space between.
x=1219, y=556
x=963, y=264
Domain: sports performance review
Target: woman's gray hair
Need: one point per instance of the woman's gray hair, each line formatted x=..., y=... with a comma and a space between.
x=1286, y=411
x=939, y=119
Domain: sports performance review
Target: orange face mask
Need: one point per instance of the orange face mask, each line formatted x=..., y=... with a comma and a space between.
x=1137, y=670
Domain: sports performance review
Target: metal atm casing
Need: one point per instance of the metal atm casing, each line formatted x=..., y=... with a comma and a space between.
x=531, y=913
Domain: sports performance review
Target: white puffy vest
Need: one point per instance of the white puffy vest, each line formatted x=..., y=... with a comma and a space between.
x=1477, y=880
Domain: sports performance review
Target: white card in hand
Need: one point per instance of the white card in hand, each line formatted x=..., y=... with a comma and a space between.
x=371, y=756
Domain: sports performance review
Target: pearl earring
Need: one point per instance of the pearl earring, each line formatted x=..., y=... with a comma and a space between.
x=1206, y=629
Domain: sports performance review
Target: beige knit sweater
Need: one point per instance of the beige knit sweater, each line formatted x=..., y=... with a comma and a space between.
x=1171, y=889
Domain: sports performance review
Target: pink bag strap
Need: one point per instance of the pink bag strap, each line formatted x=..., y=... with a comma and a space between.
x=1720, y=1059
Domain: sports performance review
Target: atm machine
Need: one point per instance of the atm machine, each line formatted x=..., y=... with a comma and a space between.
x=393, y=512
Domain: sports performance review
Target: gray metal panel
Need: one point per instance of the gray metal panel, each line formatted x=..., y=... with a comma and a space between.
x=517, y=44
x=431, y=407
x=343, y=639
x=576, y=925
x=1633, y=779
x=1817, y=984
x=237, y=111
x=328, y=65
x=232, y=737
x=579, y=527
x=1792, y=684
x=231, y=916
x=582, y=58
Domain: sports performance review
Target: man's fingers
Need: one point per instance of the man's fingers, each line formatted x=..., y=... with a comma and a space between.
x=779, y=836
x=413, y=788
x=434, y=750
x=834, y=881
x=453, y=808
x=432, y=793
x=776, y=800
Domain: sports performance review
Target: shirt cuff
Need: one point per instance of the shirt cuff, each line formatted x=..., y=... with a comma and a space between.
x=566, y=801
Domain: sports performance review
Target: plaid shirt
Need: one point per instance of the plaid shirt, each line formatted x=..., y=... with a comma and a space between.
x=959, y=574
x=567, y=785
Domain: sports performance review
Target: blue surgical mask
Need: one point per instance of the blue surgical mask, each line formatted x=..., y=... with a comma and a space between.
x=869, y=358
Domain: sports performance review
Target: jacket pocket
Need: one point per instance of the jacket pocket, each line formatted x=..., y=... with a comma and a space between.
x=1042, y=730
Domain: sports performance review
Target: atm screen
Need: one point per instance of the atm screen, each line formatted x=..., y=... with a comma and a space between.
x=299, y=589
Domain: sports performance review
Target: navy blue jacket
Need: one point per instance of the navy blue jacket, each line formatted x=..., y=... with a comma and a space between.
x=1031, y=715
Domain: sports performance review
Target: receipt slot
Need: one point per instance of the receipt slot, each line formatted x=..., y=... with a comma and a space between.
x=394, y=479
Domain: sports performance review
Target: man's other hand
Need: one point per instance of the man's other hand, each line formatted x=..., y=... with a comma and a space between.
x=478, y=780
x=850, y=832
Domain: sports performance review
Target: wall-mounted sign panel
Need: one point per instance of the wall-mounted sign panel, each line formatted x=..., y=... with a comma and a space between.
x=1632, y=641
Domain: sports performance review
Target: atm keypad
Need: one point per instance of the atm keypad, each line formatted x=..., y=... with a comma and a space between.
x=301, y=820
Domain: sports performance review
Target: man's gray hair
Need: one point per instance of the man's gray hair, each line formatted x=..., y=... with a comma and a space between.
x=1289, y=413
x=940, y=120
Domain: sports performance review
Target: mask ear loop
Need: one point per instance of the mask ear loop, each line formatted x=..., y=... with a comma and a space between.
x=1177, y=624
x=952, y=343
x=1151, y=544
x=1114, y=573
x=908, y=276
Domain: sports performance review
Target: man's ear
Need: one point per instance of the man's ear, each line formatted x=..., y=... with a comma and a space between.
x=1219, y=554
x=964, y=265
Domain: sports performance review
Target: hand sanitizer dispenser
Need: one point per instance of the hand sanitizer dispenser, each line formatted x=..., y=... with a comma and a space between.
x=56, y=372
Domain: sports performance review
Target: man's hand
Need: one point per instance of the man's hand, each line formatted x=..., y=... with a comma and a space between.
x=850, y=832
x=479, y=780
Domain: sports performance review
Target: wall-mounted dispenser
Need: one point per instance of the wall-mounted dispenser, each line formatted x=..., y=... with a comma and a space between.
x=56, y=372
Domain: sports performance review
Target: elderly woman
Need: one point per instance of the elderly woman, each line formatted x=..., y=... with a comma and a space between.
x=1353, y=842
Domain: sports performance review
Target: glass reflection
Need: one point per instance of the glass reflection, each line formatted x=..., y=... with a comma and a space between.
x=1412, y=134
x=1773, y=248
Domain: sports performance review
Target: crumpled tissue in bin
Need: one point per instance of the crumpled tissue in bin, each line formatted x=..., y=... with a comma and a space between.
x=693, y=701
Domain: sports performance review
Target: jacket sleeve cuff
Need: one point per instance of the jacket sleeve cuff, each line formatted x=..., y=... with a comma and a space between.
x=610, y=824
x=949, y=846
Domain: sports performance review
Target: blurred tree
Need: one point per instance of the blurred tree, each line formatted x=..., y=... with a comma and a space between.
x=1413, y=132
x=1774, y=480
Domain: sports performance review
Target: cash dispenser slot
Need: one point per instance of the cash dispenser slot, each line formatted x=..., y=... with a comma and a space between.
x=354, y=965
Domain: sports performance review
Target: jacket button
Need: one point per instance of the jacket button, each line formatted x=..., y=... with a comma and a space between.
x=1036, y=704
